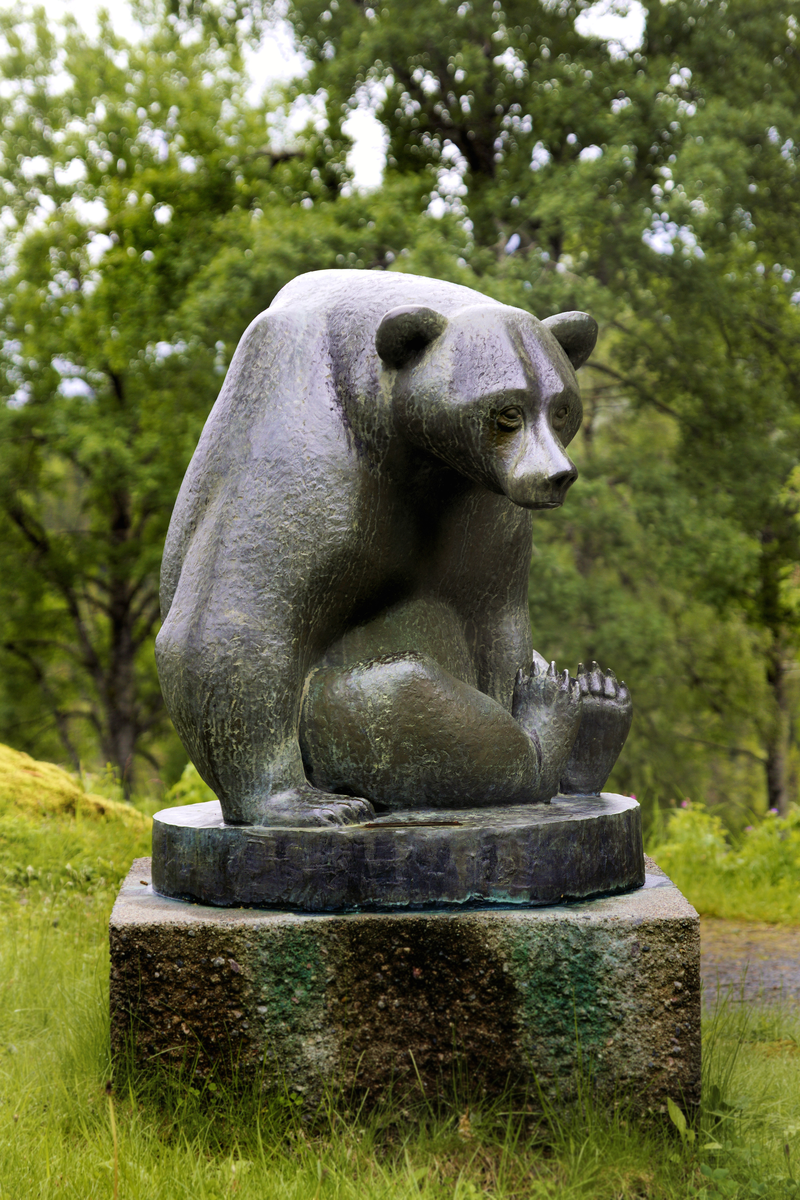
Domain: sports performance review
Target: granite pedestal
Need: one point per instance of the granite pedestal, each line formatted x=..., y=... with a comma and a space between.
x=365, y=1001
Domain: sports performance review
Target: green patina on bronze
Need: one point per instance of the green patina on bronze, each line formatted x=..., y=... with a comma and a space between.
x=567, y=979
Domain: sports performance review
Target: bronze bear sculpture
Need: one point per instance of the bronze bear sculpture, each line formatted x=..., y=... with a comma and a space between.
x=344, y=583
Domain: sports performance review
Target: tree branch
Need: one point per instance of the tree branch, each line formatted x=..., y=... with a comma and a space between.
x=737, y=750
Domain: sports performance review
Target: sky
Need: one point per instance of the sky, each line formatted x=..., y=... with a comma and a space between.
x=621, y=21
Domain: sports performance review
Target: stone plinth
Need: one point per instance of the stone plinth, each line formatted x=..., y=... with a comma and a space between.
x=571, y=849
x=369, y=1000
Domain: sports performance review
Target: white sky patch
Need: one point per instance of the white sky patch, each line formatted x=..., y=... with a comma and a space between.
x=367, y=159
x=540, y=156
x=74, y=172
x=85, y=13
x=286, y=122
x=65, y=367
x=161, y=351
x=157, y=140
x=664, y=236
x=33, y=168
x=590, y=153
x=70, y=388
x=21, y=397
x=90, y=212
x=277, y=61
x=621, y=22
x=450, y=186
x=97, y=247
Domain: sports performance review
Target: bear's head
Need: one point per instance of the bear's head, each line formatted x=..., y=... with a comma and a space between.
x=492, y=392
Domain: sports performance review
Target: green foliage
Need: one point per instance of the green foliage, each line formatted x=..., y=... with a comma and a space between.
x=182, y=1135
x=749, y=1124
x=651, y=190
x=190, y=789
x=608, y=583
x=58, y=845
x=752, y=877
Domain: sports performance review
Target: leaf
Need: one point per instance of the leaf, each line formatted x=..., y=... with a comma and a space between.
x=676, y=1116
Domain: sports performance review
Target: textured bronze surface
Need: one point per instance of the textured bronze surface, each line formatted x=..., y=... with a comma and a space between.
x=344, y=585
x=573, y=848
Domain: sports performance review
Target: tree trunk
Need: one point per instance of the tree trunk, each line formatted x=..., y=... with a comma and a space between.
x=778, y=738
x=121, y=723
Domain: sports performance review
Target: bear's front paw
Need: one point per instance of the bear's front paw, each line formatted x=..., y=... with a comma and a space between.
x=547, y=706
x=307, y=806
x=544, y=689
x=605, y=722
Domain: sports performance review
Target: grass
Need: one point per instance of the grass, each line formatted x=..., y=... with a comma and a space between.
x=64, y=1133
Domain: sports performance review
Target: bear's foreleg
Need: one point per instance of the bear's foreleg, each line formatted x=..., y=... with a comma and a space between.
x=404, y=732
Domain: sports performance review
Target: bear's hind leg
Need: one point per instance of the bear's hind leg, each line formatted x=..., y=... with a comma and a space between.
x=605, y=722
x=407, y=734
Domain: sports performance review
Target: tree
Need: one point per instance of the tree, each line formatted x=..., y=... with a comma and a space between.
x=150, y=213
x=114, y=179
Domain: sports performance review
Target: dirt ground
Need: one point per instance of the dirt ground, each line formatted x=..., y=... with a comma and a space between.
x=749, y=961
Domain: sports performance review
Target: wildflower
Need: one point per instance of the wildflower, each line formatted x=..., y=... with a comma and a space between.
x=748, y=828
x=686, y=803
x=774, y=812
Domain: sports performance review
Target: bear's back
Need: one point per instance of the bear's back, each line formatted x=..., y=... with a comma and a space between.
x=352, y=305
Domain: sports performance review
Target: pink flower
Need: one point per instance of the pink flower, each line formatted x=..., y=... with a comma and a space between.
x=774, y=812
x=632, y=797
x=686, y=804
x=748, y=828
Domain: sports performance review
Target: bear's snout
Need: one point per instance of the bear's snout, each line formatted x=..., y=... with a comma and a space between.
x=541, y=493
x=561, y=482
x=541, y=477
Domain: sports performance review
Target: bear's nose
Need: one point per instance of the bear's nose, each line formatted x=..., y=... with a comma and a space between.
x=563, y=480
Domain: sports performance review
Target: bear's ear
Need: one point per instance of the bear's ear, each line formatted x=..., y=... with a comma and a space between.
x=577, y=333
x=405, y=332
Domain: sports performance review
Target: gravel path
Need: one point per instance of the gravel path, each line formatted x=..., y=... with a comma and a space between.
x=749, y=961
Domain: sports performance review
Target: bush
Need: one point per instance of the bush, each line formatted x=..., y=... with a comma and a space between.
x=754, y=877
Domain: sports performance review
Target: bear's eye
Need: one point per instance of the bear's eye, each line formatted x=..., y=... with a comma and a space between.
x=509, y=419
x=561, y=414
